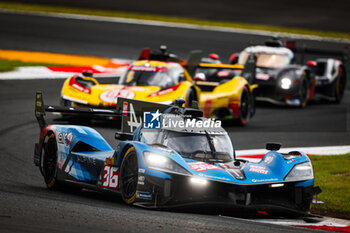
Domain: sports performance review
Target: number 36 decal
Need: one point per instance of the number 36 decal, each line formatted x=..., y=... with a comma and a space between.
x=110, y=177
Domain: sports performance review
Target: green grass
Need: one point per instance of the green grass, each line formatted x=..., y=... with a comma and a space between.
x=332, y=174
x=61, y=9
x=9, y=65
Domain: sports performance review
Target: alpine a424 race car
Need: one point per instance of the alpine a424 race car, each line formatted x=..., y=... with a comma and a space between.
x=167, y=166
x=283, y=81
x=161, y=77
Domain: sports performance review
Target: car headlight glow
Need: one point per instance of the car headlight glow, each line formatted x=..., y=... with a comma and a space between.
x=156, y=159
x=163, y=163
x=198, y=181
x=286, y=83
x=301, y=171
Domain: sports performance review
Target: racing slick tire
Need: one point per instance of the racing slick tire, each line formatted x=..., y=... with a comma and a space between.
x=48, y=167
x=191, y=95
x=49, y=162
x=66, y=103
x=303, y=92
x=128, y=176
x=339, y=87
x=245, y=106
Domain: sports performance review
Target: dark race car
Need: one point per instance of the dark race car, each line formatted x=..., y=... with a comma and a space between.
x=282, y=81
x=168, y=165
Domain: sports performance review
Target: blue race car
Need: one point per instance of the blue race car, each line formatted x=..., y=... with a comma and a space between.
x=171, y=166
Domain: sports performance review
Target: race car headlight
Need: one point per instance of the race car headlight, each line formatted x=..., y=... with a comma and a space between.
x=198, y=181
x=286, y=83
x=163, y=163
x=301, y=171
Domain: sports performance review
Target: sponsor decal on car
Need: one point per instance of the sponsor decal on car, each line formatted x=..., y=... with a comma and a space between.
x=141, y=180
x=109, y=161
x=224, y=165
x=268, y=159
x=148, y=68
x=223, y=73
x=125, y=108
x=144, y=195
x=112, y=96
x=291, y=161
x=258, y=169
x=142, y=170
x=65, y=138
x=264, y=180
x=165, y=91
x=262, y=76
x=201, y=167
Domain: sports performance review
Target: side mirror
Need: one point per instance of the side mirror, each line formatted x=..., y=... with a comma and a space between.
x=214, y=56
x=200, y=77
x=234, y=58
x=311, y=63
x=122, y=136
x=87, y=73
x=273, y=146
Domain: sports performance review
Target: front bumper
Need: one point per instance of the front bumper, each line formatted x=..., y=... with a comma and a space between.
x=154, y=192
x=270, y=92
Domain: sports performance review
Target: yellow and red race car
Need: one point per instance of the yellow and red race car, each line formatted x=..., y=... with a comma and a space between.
x=162, y=78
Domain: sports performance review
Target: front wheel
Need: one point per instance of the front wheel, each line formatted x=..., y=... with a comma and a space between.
x=303, y=92
x=339, y=86
x=191, y=95
x=128, y=176
x=66, y=103
x=245, y=106
x=49, y=162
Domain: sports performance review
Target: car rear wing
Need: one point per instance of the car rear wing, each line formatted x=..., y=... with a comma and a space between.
x=129, y=111
x=41, y=109
x=248, y=70
x=341, y=54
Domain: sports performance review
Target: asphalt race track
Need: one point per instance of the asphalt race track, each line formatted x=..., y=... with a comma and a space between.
x=25, y=203
x=311, y=14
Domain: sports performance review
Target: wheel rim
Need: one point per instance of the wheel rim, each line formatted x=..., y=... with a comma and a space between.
x=50, y=160
x=129, y=174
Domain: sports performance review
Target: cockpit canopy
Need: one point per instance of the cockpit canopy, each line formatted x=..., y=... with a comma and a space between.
x=209, y=147
x=267, y=57
x=148, y=73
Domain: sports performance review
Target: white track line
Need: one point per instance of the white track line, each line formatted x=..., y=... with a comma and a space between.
x=335, y=222
x=42, y=72
x=325, y=221
x=175, y=25
x=35, y=72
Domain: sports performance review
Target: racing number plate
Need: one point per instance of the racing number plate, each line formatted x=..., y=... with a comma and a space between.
x=110, y=177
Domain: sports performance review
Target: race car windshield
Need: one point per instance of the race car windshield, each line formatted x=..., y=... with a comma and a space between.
x=216, y=74
x=266, y=60
x=203, y=147
x=149, y=76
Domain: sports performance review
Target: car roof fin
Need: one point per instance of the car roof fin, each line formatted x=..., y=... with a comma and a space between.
x=249, y=70
x=40, y=110
x=193, y=61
